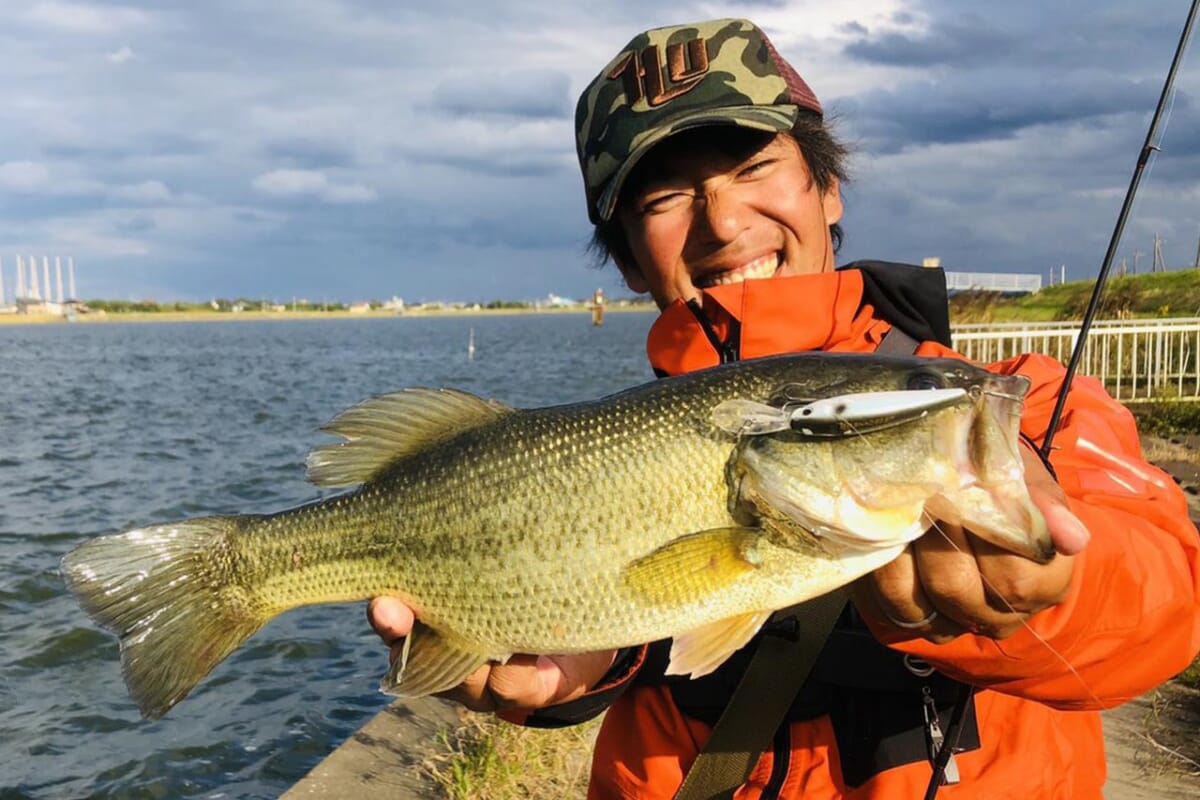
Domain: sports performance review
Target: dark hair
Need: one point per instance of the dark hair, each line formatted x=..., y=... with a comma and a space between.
x=825, y=156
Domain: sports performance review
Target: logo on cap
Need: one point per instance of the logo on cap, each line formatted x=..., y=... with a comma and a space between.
x=641, y=72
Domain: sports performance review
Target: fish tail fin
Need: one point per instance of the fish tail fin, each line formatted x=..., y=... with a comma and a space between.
x=170, y=594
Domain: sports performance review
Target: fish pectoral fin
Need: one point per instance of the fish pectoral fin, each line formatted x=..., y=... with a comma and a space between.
x=430, y=663
x=691, y=567
x=700, y=651
x=383, y=429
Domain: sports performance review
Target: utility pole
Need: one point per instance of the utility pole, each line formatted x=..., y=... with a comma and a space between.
x=1123, y=269
x=1136, y=255
x=1197, y=265
x=1159, y=265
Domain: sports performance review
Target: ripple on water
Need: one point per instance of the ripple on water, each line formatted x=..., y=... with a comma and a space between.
x=73, y=647
x=34, y=589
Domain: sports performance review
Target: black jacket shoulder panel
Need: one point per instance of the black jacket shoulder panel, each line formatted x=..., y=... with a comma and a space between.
x=910, y=297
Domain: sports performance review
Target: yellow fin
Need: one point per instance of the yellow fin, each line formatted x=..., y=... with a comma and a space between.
x=702, y=650
x=430, y=663
x=692, y=566
x=386, y=428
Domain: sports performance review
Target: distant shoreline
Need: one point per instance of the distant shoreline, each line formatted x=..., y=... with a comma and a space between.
x=252, y=316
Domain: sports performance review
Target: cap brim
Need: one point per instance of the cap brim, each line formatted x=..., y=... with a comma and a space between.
x=773, y=119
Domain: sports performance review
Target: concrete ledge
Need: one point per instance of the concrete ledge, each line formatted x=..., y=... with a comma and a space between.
x=381, y=759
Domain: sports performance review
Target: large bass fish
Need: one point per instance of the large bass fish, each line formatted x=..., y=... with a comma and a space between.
x=690, y=507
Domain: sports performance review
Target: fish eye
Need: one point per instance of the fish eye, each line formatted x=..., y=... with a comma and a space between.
x=925, y=379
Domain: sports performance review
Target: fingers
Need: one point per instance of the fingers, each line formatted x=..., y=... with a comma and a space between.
x=391, y=618
x=953, y=570
x=527, y=682
x=949, y=582
x=892, y=596
x=1069, y=535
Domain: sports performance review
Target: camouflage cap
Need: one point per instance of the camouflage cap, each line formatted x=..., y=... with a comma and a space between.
x=669, y=79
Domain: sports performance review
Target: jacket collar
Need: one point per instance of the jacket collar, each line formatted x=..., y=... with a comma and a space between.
x=824, y=311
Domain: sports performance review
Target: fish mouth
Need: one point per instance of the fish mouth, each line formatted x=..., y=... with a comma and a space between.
x=994, y=502
x=766, y=266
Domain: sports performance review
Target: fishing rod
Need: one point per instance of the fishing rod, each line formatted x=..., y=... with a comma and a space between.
x=1143, y=158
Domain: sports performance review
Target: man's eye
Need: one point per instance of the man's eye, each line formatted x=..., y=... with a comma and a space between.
x=757, y=167
x=662, y=202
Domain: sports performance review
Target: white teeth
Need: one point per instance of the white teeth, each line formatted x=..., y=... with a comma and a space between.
x=763, y=267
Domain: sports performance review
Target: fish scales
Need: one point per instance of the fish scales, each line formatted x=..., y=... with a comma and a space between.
x=563, y=529
x=471, y=503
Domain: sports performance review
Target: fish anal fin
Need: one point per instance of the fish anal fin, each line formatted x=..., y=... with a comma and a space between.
x=383, y=429
x=691, y=567
x=700, y=651
x=430, y=663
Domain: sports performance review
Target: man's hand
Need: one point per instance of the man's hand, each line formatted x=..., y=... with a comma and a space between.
x=525, y=683
x=950, y=582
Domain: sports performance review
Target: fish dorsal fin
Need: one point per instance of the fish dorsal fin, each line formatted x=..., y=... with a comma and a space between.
x=386, y=428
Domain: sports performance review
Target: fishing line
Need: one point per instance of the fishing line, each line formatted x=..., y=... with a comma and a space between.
x=1021, y=615
x=933, y=524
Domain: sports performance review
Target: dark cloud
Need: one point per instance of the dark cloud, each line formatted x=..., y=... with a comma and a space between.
x=533, y=94
x=970, y=41
x=508, y=164
x=147, y=145
x=138, y=223
x=961, y=109
x=750, y=5
x=299, y=153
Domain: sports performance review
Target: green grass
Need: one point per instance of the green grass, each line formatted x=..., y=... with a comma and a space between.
x=1166, y=418
x=488, y=759
x=1191, y=675
x=1163, y=294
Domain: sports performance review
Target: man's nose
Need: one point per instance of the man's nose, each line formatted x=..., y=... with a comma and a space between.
x=723, y=215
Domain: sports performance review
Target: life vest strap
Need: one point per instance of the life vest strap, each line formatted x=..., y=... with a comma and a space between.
x=780, y=665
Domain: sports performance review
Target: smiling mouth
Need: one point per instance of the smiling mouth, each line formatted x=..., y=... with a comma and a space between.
x=763, y=267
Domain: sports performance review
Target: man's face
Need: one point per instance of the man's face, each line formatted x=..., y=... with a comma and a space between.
x=723, y=205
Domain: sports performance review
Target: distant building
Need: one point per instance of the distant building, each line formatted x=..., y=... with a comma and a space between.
x=1003, y=282
x=360, y=308
x=554, y=301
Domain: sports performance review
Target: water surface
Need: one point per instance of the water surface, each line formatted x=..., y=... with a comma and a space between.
x=109, y=427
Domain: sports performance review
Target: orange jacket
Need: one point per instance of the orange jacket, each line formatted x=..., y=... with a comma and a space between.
x=1131, y=620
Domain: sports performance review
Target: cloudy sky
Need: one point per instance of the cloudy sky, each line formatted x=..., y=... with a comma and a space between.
x=347, y=149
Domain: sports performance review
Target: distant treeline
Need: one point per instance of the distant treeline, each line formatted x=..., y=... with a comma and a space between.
x=244, y=304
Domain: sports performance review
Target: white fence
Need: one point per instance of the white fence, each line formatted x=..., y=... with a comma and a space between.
x=1135, y=359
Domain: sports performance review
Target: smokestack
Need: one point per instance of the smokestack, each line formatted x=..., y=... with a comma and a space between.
x=20, y=279
x=71, y=276
x=58, y=277
x=46, y=277
x=1, y=281
x=34, y=294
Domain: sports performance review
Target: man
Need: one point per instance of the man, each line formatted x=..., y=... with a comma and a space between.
x=713, y=182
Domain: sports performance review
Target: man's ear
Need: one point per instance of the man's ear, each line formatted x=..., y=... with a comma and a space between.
x=631, y=273
x=831, y=201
